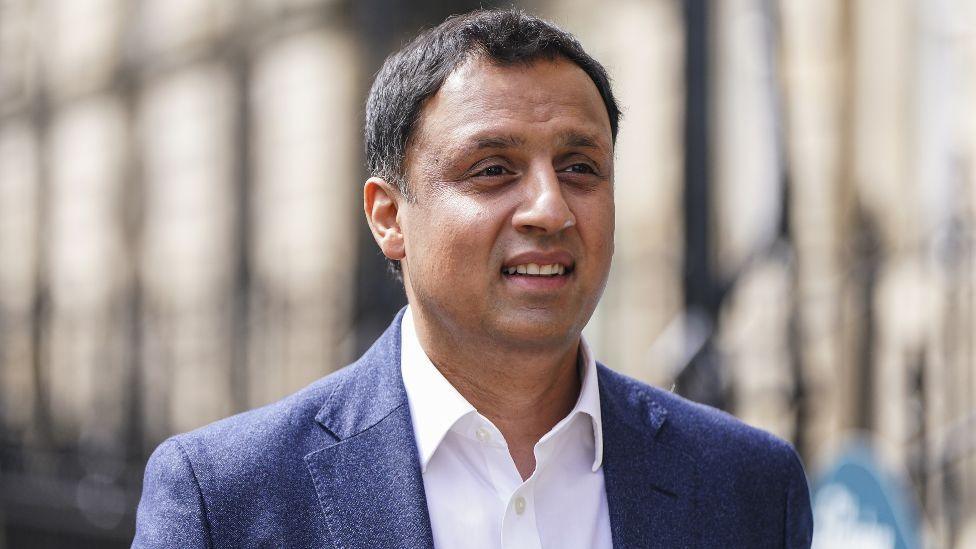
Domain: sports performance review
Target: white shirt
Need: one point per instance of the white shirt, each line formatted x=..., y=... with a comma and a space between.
x=475, y=495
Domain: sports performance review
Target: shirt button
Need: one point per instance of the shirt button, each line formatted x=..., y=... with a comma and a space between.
x=482, y=434
x=519, y=505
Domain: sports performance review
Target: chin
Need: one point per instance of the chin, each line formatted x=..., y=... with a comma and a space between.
x=529, y=334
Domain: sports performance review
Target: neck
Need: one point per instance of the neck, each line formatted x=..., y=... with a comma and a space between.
x=523, y=391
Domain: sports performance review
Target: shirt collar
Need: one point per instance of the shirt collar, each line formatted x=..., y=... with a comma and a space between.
x=435, y=405
x=589, y=401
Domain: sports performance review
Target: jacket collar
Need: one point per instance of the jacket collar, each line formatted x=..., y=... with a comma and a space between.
x=367, y=391
x=368, y=481
x=651, y=486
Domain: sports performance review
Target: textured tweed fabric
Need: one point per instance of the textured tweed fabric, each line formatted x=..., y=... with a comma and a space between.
x=335, y=465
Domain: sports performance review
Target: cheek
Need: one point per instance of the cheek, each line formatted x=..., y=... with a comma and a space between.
x=597, y=219
x=456, y=232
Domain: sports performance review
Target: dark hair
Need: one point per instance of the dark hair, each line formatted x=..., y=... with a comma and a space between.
x=412, y=75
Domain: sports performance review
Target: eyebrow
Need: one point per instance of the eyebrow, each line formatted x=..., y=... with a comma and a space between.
x=498, y=142
x=571, y=138
x=577, y=139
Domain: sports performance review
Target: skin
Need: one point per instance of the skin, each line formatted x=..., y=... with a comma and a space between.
x=504, y=160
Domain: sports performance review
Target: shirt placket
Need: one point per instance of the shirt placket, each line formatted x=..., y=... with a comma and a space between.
x=519, y=528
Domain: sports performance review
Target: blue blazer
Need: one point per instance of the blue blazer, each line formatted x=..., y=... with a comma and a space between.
x=336, y=466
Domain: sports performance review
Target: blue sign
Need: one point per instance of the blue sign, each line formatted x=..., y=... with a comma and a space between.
x=857, y=505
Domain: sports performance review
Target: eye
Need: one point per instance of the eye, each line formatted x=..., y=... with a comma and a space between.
x=492, y=171
x=580, y=168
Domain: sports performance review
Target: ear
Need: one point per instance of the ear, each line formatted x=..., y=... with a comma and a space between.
x=381, y=203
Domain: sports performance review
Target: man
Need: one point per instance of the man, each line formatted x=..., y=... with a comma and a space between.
x=480, y=419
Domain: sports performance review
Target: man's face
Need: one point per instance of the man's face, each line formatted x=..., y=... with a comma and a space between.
x=510, y=169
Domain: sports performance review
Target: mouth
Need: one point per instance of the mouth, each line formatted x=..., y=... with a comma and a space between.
x=535, y=270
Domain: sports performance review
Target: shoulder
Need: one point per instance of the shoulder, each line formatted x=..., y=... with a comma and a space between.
x=244, y=477
x=264, y=443
x=708, y=436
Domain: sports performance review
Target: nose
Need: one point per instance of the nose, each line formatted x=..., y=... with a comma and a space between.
x=543, y=208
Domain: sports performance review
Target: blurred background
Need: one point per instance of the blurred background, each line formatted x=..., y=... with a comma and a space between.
x=181, y=235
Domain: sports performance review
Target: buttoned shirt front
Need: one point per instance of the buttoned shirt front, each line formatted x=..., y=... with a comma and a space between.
x=475, y=496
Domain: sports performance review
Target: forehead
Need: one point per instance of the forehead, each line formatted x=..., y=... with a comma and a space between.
x=537, y=100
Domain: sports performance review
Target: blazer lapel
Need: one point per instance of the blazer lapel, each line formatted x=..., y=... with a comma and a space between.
x=651, y=487
x=368, y=482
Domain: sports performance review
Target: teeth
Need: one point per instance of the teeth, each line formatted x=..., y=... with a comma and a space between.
x=535, y=269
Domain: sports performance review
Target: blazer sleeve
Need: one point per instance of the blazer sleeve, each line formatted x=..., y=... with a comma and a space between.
x=171, y=512
x=799, y=518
